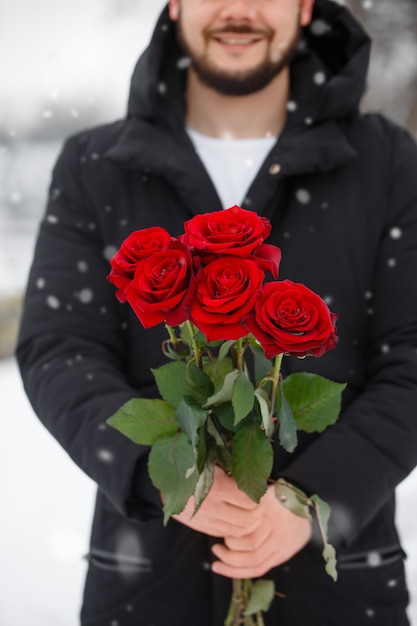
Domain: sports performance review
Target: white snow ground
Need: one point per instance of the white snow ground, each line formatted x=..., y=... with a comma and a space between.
x=46, y=511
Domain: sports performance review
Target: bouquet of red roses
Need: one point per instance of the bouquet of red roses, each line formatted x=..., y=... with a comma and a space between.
x=208, y=287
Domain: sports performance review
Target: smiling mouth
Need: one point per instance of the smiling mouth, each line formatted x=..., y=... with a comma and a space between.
x=232, y=40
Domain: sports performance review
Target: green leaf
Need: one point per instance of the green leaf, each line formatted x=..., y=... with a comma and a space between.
x=329, y=555
x=199, y=384
x=190, y=417
x=287, y=423
x=263, y=366
x=292, y=498
x=144, y=420
x=185, y=334
x=243, y=397
x=225, y=393
x=261, y=597
x=170, y=380
x=226, y=415
x=315, y=401
x=204, y=484
x=252, y=459
x=265, y=410
x=201, y=451
x=201, y=339
x=217, y=371
x=175, y=380
x=323, y=512
x=214, y=432
x=171, y=463
x=224, y=350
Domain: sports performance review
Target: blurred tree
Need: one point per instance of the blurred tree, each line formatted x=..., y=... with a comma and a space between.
x=393, y=71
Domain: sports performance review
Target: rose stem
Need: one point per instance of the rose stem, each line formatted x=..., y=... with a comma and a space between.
x=275, y=380
x=239, y=352
x=194, y=345
x=173, y=337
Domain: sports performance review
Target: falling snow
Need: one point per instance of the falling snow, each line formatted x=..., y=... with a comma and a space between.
x=82, y=266
x=162, y=89
x=183, y=63
x=374, y=559
x=107, y=456
x=319, y=27
x=396, y=233
x=66, y=543
x=303, y=196
x=53, y=302
x=109, y=252
x=85, y=296
x=319, y=78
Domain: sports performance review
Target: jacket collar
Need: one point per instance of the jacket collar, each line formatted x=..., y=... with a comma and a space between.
x=333, y=47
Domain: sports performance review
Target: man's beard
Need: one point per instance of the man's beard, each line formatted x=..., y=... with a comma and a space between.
x=238, y=83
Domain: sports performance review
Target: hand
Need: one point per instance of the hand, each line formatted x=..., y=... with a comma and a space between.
x=226, y=511
x=279, y=535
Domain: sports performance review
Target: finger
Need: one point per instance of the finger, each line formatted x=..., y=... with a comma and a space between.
x=247, y=542
x=242, y=558
x=240, y=572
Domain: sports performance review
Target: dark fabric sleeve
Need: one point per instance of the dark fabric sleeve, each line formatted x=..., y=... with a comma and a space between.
x=356, y=464
x=71, y=348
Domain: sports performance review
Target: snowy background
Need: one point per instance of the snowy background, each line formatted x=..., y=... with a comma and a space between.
x=65, y=66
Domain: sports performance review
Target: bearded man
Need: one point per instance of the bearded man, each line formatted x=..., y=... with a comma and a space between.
x=256, y=103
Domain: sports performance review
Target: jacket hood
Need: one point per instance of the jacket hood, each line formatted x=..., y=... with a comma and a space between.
x=328, y=73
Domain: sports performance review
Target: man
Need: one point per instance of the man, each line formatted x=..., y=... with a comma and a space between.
x=248, y=102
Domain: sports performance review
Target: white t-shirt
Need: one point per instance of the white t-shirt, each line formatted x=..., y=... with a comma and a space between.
x=232, y=164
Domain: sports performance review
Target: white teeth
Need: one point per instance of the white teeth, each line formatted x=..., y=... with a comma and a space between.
x=236, y=42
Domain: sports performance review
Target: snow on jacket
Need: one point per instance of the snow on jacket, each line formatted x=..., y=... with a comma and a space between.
x=340, y=189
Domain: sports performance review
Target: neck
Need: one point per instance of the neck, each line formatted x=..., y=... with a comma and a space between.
x=260, y=114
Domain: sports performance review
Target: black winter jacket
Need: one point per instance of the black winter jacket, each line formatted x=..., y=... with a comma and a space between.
x=343, y=205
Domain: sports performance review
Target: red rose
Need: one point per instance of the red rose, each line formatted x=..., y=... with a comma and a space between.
x=139, y=245
x=162, y=287
x=291, y=319
x=268, y=257
x=234, y=231
x=226, y=291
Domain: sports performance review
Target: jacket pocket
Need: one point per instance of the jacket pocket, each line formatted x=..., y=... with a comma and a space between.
x=117, y=562
x=371, y=559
